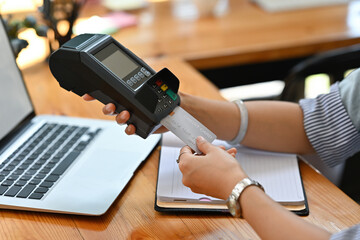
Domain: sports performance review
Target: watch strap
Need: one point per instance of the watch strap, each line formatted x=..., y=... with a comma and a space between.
x=233, y=200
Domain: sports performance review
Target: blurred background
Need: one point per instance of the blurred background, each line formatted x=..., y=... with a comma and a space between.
x=200, y=31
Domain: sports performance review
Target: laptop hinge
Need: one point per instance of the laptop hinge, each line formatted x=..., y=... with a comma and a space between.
x=16, y=133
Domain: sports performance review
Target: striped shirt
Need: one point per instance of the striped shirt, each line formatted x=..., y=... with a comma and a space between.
x=331, y=124
x=352, y=233
x=329, y=128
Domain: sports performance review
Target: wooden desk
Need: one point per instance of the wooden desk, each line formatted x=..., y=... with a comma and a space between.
x=247, y=34
x=132, y=216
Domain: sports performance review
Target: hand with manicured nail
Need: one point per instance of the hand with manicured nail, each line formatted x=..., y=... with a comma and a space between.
x=214, y=173
x=121, y=118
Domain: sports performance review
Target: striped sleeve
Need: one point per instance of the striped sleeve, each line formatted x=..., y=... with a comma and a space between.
x=329, y=128
x=352, y=233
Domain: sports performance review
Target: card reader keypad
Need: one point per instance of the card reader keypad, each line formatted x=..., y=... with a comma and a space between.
x=138, y=76
x=166, y=96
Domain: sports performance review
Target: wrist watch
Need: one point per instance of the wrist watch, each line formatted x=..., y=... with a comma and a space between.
x=233, y=201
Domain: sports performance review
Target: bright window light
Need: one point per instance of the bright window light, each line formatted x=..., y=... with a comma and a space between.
x=35, y=52
x=15, y=6
x=317, y=84
x=348, y=72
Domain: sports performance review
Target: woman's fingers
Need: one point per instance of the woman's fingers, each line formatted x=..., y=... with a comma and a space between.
x=232, y=151
x=109, y=109
x=87, y=97
x=130, y=129
x=122, y=117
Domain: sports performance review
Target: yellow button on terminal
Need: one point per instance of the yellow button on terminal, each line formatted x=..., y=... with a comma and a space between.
x=164, y=87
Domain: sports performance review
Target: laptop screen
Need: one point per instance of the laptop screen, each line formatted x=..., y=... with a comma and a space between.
x=15, y=104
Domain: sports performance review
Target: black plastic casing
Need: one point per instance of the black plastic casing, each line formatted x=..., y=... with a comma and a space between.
x=77, y=69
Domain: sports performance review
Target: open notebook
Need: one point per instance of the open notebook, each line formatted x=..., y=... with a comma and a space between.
x=277, y=172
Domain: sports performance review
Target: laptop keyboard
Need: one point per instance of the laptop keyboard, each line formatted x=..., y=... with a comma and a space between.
x=34, y=168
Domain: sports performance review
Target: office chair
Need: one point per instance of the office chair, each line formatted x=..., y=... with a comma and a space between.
x=334, y=63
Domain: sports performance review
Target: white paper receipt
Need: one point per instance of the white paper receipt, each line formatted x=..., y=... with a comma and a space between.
x=187, y=128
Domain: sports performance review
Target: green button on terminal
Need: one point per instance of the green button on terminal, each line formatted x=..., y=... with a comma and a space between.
x=171, y=94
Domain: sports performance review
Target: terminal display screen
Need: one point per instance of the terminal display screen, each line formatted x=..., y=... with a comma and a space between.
x=118, y=62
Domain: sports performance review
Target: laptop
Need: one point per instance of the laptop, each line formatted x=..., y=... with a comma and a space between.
x=57, y=163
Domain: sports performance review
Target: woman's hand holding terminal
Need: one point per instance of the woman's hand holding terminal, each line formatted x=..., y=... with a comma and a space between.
x=121, y=118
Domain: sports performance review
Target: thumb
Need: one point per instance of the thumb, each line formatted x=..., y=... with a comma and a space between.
x=203, y=145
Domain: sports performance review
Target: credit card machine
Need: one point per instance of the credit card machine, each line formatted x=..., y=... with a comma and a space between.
x=99, y=65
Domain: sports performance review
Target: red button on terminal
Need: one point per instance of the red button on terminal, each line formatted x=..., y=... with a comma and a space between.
x=158, y=82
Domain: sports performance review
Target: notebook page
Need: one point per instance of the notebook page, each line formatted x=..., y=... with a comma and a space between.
x=278, y=173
